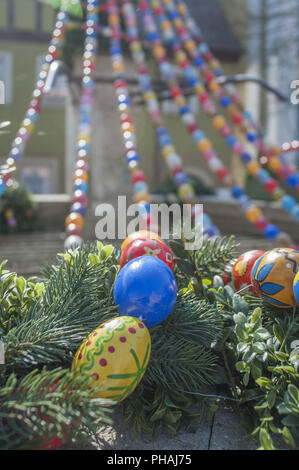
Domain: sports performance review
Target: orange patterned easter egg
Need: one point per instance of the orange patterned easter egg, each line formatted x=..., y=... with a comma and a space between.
x=115, y=355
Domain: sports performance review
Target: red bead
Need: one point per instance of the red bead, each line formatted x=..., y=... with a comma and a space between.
x=209, y=77
x=271, y=185
x=192, y=127
x=137, y=176
x=261, y=224
x=175, y=92
x=238, y=119
x=222, y=173
x=203, y=97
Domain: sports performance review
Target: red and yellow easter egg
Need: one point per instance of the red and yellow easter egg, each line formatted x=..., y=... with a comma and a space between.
x=147, y=247
x=273, y=275
x=141, y=234
x=115, y=355
x=228, y=272
x=242, y=269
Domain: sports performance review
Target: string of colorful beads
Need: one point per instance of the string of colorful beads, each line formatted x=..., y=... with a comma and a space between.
x=173, y=160
x=254, y=168
x=32, y=115
x=140, y=187
x=202, y=55
x=204, y=145
x=74, y=222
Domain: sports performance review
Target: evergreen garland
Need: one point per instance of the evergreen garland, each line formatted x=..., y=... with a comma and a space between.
x=214, y=337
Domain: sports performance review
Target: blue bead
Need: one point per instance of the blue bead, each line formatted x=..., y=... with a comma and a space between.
x=165, y=140
x=237, y=192
x=199, y=61
x=181, y=178
x=295, y=212
x=246, y=157
x=206, y=219
x=132, y=156
x=192, y=81
x=77, y=207
x=251, y=137
x=184, y=110
x=231, y=140
x=82, y=187
x=263, y=175
x=271, y=232
x=288, y=203
x=145, y=288
x=140, y=186
x=225, y=101
x=292, y=180
x=211, y=231
x=161, y=130
x=198, y=135
x=2, y=187
x=247, y=115
x=152, y=36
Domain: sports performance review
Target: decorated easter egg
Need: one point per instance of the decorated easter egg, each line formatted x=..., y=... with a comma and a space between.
x=296, y=288
x=273, y=275
x=242, y=269
x=145, y=288
x=147, y=247
x=115, y=355
x=141, y=234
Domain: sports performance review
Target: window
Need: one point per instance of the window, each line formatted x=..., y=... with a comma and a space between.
x=40, y=175
x=55, y=97
x=6, y=75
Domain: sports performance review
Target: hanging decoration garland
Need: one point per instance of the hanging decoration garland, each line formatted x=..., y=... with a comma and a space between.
x=254, y=168
x=253, y=214
x=33, y=112
x=173, y=160
x=140, y=188
x=74, y=222
x=202, y=55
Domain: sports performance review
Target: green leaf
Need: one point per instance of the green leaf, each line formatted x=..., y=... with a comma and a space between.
x=266, y=440
x=239, y=304
x=264, y=382
x=20, y=284
x=288, y=438
x=271, y=398
x=73, y=7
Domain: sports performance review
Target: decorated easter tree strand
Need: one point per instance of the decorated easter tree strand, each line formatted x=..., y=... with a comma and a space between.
x=254, y=168
x=226, y=94
x=74, y=222
x=140, y=188
x=33, y=112
x=173, y=160
x=204, y=145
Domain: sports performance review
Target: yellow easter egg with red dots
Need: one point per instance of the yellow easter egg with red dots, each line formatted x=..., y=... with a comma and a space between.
x=116, y=356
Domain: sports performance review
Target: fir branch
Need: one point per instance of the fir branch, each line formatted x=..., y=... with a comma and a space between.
x=46, y=405
x=181, y=354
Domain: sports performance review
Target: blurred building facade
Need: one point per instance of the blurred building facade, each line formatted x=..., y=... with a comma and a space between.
x=273, y=54
x=25, y=30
